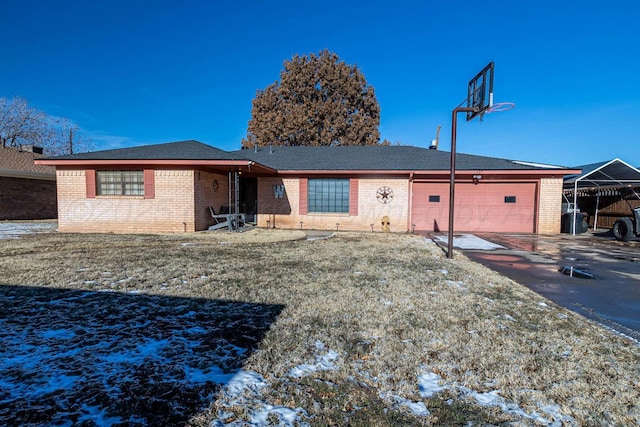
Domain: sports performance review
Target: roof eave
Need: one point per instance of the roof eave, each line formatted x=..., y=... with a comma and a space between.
x=155, y=162
x=546, y=172
x=27, y=175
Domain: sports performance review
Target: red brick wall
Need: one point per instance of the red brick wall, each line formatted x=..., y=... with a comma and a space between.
x=206, y=195
x=24, y=199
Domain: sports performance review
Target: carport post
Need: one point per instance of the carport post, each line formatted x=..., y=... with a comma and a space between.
x=575, y=206
x=452, y=183
x=595, y=219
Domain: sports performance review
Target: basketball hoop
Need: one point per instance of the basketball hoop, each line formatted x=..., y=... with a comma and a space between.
x=499, y=107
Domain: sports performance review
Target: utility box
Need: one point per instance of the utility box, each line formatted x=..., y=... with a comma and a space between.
x=567, y=223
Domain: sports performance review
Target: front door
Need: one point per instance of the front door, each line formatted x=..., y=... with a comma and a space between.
x=249, y=198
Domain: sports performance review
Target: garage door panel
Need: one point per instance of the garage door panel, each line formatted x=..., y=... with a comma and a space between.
x=497, y=207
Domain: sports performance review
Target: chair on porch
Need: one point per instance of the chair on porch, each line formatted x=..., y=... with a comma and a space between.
x=226, y=219
x=220, y=220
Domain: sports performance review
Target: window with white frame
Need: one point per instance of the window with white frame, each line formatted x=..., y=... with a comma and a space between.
x=120, y=183
x=328, y=195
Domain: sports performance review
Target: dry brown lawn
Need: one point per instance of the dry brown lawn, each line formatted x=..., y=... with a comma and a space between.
x=390, y=306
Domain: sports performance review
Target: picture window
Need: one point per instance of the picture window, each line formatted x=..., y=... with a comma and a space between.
x=328, y=195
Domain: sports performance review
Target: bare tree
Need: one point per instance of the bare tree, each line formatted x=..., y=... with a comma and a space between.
x=21, y=124
x=319, y=100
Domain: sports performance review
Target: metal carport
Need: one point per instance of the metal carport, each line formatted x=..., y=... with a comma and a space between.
x=614, y=174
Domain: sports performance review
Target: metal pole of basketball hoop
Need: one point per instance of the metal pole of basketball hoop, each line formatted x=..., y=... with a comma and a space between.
x=479, y=100
x=452, y=186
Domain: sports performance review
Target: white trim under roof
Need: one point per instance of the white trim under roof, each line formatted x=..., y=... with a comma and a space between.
x=537, y=165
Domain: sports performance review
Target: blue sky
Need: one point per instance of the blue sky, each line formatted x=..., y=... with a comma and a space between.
x=143, y=72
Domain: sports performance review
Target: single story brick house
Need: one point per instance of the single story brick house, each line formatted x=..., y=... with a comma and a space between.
x=27, y=190
x=170, y=187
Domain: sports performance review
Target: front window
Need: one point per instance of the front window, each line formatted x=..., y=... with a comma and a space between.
x=328, y=195
x=120, y=183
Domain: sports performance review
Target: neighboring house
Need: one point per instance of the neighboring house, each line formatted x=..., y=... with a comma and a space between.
x=169, y=187
x=27, y=190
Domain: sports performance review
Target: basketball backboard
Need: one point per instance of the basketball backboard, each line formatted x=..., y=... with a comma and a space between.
x=480, y=92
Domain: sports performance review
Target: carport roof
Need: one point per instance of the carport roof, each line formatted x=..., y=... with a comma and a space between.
x=610, y=174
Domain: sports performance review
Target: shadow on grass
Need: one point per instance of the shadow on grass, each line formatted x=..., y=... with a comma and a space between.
x=71, y=357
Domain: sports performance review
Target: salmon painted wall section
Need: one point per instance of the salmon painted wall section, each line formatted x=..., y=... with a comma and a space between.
x=486, y=206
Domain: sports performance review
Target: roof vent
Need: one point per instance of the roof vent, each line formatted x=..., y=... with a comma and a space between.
x=434, y=144
x=270, y=149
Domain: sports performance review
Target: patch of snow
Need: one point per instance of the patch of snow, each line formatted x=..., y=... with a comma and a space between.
x=455, y=284
x=14, y=230
x=244, y=390
x=312, y=238
x=244, y=380
x=324, y=362
x=95, y=415
x=286, y=416
x=60, y=334
x=213, y=374
x=469, y=241
x=428, y=385
x=492, y=398
x=418, y=408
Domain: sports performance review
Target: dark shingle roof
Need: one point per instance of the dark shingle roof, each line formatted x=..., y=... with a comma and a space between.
x=339, y=158
x=15, y=160
x=181, y=150
x=373, y=158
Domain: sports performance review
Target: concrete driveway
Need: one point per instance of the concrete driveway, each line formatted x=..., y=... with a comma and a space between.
x=591, y=274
